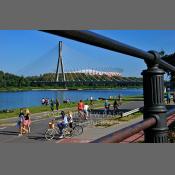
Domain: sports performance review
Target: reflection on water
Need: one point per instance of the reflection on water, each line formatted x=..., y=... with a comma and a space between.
x=10, y=100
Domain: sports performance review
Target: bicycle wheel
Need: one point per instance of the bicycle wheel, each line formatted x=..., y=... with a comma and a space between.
x=49, y=134
x=66, y=133
x=77, y=130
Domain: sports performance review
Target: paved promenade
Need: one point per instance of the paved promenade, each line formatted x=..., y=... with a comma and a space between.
x=9, y=133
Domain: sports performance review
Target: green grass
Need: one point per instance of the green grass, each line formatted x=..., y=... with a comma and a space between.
x=14, y=89
x=72, y=106
x=115, y=120
x=38, y=109
x=133, y=98
x=130, y=117
x=107, y=123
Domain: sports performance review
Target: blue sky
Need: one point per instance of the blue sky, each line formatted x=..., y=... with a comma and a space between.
x=30, y=52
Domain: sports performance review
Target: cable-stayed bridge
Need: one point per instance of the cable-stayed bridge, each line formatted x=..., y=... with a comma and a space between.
x=62, y=74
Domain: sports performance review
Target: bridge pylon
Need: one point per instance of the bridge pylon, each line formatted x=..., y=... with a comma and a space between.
x=60, y=76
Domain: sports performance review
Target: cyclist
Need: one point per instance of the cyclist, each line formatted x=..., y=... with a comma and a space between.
x=61, y=125
x=81, y=108
x=107, y=106
x=86, y=107
x=115, y=105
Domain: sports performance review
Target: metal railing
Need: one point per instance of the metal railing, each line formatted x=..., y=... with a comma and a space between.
x=94, y=39
x=118, y=136
x=154, y=112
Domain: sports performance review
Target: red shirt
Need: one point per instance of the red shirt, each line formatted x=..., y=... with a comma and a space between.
x=80, y=106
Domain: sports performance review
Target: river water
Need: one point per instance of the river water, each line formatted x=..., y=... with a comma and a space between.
x=11, y=100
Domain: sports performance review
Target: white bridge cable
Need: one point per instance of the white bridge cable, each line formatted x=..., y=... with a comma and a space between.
x=40, y=65
x=76, y=75
x=98, y=74
x=81, y=75
x=69, y=72
x=102, y=74
x=87, y=75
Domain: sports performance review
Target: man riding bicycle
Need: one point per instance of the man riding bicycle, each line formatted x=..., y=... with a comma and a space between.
x=64, y=123
x=81, y=109
x=107, y=106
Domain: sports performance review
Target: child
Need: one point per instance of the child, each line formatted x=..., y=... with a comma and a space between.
x=70, y=119
x=27, y=121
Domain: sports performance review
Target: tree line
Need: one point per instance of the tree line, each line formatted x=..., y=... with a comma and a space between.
x=8, y=80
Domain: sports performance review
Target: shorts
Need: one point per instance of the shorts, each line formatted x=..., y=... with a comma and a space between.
x=27, y=122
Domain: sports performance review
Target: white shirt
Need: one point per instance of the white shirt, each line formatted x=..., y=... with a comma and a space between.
x=71, y=119
x=86, y=107
x=65, y=120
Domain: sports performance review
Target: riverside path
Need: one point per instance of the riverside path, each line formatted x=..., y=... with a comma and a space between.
x=9, y=133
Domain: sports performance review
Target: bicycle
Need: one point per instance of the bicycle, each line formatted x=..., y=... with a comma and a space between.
x=68, y=132
x=82, y=115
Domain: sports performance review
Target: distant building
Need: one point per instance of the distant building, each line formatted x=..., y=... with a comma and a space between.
x=96, y=72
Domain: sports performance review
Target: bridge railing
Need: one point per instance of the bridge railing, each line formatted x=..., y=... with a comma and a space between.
x=155, y=112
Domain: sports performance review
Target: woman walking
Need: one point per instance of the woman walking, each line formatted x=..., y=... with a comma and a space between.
x=27, y=122
x=20, y=122
x=57, y=104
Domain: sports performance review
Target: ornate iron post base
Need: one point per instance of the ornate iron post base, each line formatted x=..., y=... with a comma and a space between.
x=153, y=87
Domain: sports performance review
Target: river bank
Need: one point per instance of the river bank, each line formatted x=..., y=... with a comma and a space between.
x=65, y=106
x=31, y=98
x=14, y=89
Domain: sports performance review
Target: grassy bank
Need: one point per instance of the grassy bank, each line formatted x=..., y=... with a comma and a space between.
x=69, y=106
x=38, y=109
x=15, y=89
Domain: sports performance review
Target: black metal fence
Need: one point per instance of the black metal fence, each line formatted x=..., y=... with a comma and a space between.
x=154, y=112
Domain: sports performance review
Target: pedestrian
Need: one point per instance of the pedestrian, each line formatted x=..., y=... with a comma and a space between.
x=20, y=121
x=91, y=100
x=46, y=101
x=168, y=97
x=115, y=105
x=174, y=97
x=52, y=105
x=42, y=101
x=57, y=104
x=26, y=122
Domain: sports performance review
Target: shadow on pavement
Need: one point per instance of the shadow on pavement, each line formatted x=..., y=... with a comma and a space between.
x=9, y=133
x=40, y=138
x=101, y=111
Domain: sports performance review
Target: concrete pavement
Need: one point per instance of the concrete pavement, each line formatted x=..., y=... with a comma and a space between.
x=9, y=134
